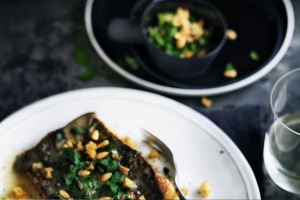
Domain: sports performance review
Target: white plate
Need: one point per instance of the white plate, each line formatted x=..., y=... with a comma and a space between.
x=197, y=143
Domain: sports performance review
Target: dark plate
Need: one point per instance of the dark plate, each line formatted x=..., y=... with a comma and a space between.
x=263, y=26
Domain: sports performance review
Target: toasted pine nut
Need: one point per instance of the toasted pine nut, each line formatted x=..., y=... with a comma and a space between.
x=232, y=73
x=202, y=53
x=83, y=173
x=48, y=172
x=231, y=34
x=206, y=102
x=90, y=167
x=69, y=143
x=105, y=177
x=128, y=141
x=188, y=54
x=153, y=154
x=184, y=191
x=103, y=144
x=36, y=166
x=80, y=147
x=201, y=22
x=205, y=189
x=116, y=156
x=105, y=198
x=123, y=170
x=141, y=198
x=128, y=183
x=102, y=155
x=92, y=153
x=64, y=194
x=180, y=42
x=91, y=146
x=95, y=135
x=19, y=192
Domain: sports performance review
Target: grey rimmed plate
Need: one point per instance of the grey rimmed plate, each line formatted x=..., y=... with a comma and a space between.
x=265, y=27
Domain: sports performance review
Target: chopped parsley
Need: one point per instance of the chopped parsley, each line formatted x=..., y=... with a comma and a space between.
x=254, y=56
x=81, y=57
x=131, y=62
x=70, y=162
x=181, y=34
x=229, y=66
x=87, y=75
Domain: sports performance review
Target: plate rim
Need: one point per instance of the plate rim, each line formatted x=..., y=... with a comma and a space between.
x=169, y=90
x=212, y=129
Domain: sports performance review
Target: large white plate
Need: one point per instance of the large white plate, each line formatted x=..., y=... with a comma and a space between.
x=202, y=150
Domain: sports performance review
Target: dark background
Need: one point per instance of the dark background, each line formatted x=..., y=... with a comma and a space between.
x=40, y=42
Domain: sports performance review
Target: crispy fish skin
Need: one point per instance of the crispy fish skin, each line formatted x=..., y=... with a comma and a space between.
x=49, y=150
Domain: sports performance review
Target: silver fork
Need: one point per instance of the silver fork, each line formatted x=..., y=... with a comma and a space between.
x=164, y=150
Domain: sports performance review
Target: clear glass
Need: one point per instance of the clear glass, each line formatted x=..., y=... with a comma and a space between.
x=282, y=140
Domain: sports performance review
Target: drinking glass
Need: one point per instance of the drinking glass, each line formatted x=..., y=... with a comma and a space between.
x=282, y=140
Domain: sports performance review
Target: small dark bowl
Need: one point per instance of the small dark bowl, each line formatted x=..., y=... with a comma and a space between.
x=126, y=31
x=185, y=68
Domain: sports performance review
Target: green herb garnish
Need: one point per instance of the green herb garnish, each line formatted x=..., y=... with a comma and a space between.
x=230, y=71
x=78, y=130
x=72, y=162
x=229, y=66
x=180, y=36
x=131, y=62
x=71, y=155
x=254, y=56
x=87, y=75
x=81, y=57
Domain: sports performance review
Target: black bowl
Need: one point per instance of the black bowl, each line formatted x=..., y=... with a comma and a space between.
x=185, y=68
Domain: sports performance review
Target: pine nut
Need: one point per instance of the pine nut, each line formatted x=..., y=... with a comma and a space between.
x=91, y=146
x=64, y=194
x=36, y=166
x=105, y=177
x=90, y=167
x=123, y=170
x=48, y=172
x=141, y=198
x=80, y=147
x=184, y=191
x=103, y=144
x=205, y=189
x=95, y=135
x=92, y=154
x=83, y=173
x=153, y=154
x=19, y=192
x=69, y=143
x=230, y=73
x=105, y=198
x=231, y=34
x=206, y=102
x=128, y=183
x=102, y=155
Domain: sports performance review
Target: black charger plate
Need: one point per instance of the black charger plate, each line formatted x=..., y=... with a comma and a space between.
x=263, y=26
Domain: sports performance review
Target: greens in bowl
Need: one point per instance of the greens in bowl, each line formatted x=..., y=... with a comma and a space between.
x=181, y=34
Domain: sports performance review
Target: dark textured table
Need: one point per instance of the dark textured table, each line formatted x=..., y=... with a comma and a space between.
x=41, y=51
